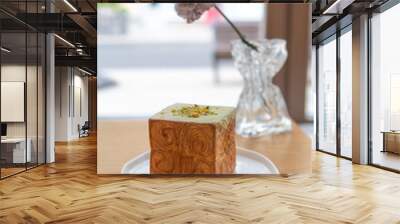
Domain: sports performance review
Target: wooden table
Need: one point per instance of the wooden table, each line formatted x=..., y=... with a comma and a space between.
x=391, y=141
x=14, y=152
x=121, y=140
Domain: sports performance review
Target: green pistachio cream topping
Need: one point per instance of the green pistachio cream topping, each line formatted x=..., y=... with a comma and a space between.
x=193, y=111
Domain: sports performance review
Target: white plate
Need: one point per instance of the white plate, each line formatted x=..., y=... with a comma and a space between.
x=247, y=162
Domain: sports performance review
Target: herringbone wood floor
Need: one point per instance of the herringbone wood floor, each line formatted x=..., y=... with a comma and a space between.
x=69, y=191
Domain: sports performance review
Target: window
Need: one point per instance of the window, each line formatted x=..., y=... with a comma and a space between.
x=346, y=94
x=385, y=89
x=22, y=107
x=334, y=101
x=327, y=97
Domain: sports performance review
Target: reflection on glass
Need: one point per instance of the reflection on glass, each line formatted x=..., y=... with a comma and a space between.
x=31, y=100
x=22, y=91
x=327, y=97
x=385, y=114
x=346, y=94
x=41, y=99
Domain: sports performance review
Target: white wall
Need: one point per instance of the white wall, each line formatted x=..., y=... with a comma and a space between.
x=62, y=81
x=71, y=102
x=34, y=125
x=12, y=73
x=80, y=108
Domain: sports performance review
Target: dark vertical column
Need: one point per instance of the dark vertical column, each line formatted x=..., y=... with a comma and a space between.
x=37, y=90
x=369, y=90
x=338, y=76
x=317, y=97
x=292, y=22
x=277, y=27
x=1, y=44
x=92, y=101
x=73, y=91
x=45, y=90
x=26, y=87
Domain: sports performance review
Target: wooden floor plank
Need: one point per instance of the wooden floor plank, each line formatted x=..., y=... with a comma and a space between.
x=70, y=191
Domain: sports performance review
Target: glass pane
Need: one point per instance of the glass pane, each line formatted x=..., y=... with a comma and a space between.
x=31, y=100
x=386, y=89
x=41, y=99
x=13, y=86
x=31, y=88
x=346, y=94
x=327, y=97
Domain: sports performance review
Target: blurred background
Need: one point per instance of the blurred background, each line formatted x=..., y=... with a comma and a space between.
x=149, y=58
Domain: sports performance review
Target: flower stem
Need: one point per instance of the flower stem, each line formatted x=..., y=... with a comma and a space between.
x=241, y=36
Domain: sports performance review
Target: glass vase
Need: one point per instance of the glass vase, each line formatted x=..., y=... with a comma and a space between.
x=261, y=109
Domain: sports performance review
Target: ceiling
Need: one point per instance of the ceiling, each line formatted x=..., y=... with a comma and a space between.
x=332, y=15
x=75, y=22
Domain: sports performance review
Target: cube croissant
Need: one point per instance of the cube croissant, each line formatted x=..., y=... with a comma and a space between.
x=193, y=139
